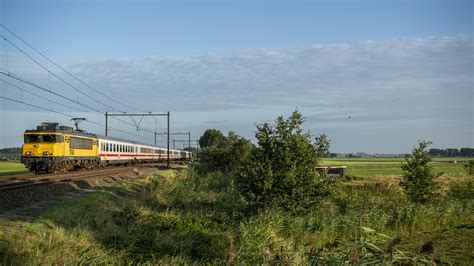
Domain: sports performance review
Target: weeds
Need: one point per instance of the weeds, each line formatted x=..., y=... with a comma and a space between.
x=187, y=217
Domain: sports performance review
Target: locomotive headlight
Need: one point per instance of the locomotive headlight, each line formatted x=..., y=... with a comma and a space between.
x=47, y=153
x=28, y=153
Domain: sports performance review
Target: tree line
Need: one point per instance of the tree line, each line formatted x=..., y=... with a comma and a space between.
x=451, y=152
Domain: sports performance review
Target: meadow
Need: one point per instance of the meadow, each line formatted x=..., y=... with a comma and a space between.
x=186, y=217
x=373, y=167
x=357, y=167
x=11, y=167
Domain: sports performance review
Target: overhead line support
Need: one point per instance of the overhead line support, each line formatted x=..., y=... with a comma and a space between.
x=167, y=114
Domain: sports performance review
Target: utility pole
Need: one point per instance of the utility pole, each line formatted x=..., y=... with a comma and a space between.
x=106, y=122
x=168, y=146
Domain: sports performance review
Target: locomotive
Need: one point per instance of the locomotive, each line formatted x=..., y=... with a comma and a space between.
x=52, y=147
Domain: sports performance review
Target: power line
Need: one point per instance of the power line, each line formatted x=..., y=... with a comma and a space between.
x=66, y=71
x=39, y=96
x=54, y=74
x=11, y=75
x=14, y=76
x=64, y=114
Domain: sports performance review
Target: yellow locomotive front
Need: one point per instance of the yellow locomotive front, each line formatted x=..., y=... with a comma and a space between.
x=52, y=148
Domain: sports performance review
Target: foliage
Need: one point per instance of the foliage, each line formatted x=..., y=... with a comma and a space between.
x=463, y=189
x=227, y=154
x=323, y=145
x=452, y=152
x=183, y=218
x=281, y=170
x=469, y=167
x=418, y=179
x=211, y=137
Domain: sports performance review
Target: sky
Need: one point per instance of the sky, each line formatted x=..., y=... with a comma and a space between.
x=375, y=76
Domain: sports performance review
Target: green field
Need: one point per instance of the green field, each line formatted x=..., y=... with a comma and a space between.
x=369, y=167
x=7, y=168
x=360, y=167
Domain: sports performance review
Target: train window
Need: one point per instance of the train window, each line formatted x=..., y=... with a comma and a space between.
x=43, y=138
x=80, y=143
x=114, y=147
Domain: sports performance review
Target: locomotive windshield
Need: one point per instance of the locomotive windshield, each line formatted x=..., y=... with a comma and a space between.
x=43, y=138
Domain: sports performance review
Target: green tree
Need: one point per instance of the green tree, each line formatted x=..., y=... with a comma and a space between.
x=226, y=154
x=281, y=169
x=211, y=137
x=419, y=181
x=323, y=144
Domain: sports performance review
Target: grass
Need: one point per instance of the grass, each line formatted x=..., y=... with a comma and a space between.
x=181, y=217
x=372, y=167
x=8, y=168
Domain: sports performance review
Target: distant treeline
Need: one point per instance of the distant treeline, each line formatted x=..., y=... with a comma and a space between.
x=10, y=153
x=449, y=152
x=452, y=152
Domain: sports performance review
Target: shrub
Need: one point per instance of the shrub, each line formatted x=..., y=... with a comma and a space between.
x=469, y=167
x=462, y=189
x=281, y=170
x=418, y=179
x=226, y=154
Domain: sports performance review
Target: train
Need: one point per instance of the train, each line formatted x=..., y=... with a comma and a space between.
x=53, y=147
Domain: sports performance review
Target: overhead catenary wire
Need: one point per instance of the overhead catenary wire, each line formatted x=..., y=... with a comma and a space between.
x=64, y=114
x=11, y=75
x=68, y=72
x=39, y=96
x=57, y=76
x=54, y=74
x=78, y=91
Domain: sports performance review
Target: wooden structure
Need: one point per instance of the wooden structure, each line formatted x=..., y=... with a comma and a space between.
x=332, y=171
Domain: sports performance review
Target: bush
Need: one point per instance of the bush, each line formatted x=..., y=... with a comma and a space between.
x=418, y=179
x=226, y=154
x=462, y=189
x=281, y=170
x=470, y=167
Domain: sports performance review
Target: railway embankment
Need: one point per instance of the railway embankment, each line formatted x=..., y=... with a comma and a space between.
x=24, y=190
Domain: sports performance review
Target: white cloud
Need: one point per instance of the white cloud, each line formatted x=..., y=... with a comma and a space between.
x=388, y=83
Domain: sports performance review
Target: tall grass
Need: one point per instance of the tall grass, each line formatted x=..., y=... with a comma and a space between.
x=186, y=217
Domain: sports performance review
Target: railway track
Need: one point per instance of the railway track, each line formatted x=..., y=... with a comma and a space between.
x=32, y=181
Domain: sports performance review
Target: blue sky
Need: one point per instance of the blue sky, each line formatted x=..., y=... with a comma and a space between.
x=231, y=64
